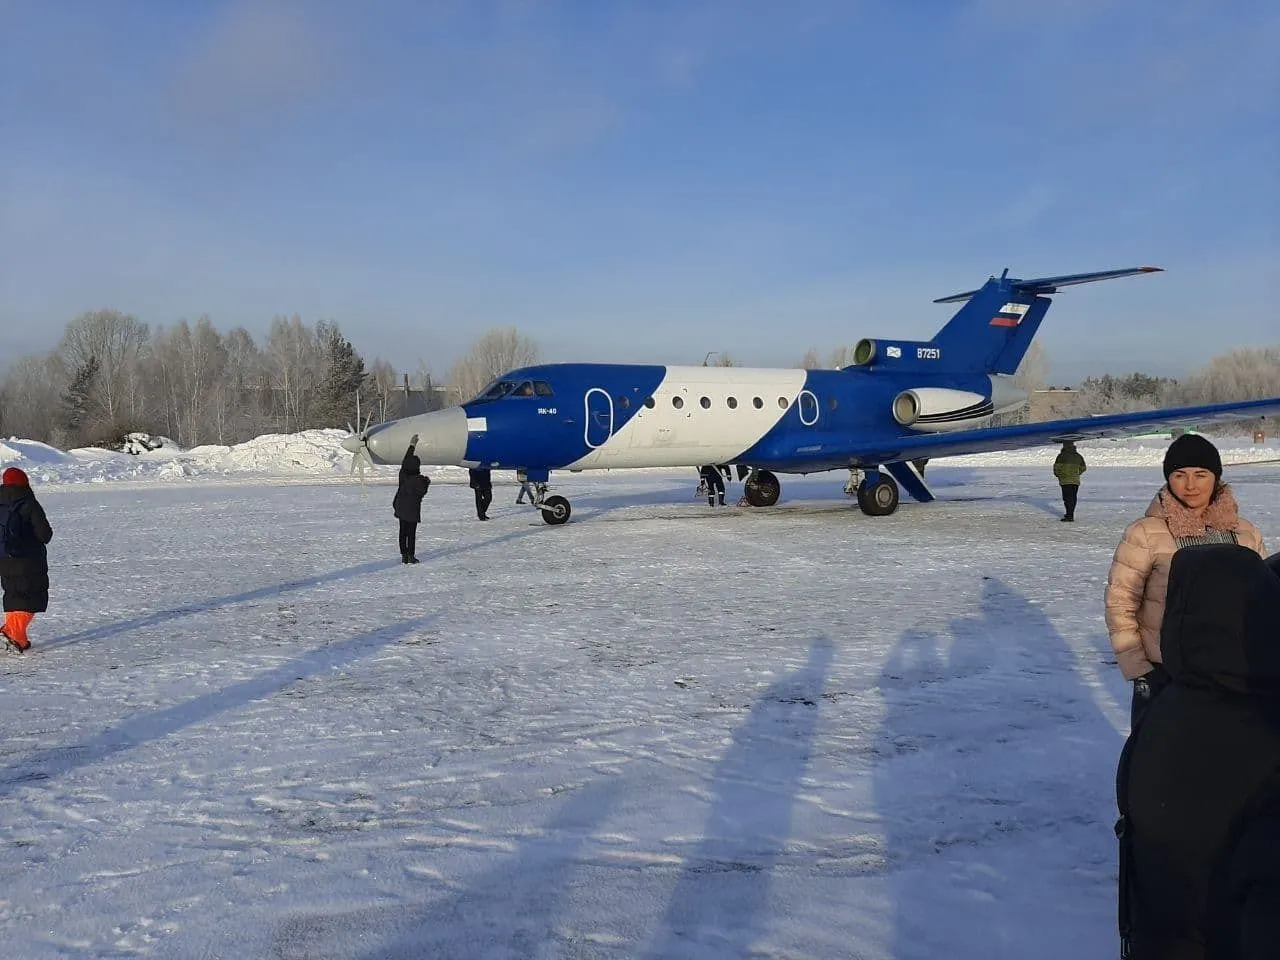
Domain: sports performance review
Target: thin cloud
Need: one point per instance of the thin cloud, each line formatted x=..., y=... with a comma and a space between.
x=258, y=60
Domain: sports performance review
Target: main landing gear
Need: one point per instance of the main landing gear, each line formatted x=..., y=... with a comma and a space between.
x=877, y=492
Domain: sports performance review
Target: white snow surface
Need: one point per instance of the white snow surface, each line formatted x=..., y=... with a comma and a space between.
x=245, y=730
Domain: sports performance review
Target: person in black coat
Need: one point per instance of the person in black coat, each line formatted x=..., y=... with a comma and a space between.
x=407, y=505
x=1198, y=786
x=714, y=481
x=482, y=484
x=24, y=561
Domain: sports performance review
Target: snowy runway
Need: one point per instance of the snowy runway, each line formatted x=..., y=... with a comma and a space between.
x=658, y=731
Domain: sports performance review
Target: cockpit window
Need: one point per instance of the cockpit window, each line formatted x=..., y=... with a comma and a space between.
x=499, y=389
x=495, y=391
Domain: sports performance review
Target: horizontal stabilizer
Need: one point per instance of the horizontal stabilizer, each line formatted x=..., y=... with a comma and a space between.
x=1044, y=285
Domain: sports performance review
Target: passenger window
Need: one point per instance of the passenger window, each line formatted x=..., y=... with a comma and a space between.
x=677, y=402
x=648, y=402
x=782, y=402
x=732, y=403
x=706, y=403
x=832, y=403
x=757, y=403
x=624, y=402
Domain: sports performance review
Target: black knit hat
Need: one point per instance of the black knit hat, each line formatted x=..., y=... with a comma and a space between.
x=1192, y=450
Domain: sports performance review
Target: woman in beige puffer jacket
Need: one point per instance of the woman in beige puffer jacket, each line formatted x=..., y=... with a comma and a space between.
x=1195, y=506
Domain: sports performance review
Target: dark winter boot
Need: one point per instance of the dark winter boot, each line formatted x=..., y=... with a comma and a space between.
x=410, y=558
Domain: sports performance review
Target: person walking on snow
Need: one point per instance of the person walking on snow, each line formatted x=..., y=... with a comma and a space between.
x=714, y=482
x=525, y=488
x=407, y=504
x=1068, y=468
x=24, y=561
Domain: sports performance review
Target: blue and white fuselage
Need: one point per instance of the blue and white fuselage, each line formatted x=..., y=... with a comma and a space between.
x=898, y=403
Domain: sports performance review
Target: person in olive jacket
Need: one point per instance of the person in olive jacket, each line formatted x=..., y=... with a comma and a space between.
x=1068, y=468
x=407, y=505
x=24, y=562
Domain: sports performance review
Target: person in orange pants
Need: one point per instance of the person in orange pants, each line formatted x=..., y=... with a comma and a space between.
x=24, y=561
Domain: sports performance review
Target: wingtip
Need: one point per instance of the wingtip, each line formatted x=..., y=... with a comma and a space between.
x=1151, y=269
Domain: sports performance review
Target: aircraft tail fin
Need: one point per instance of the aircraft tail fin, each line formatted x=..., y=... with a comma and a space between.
x=993, y=330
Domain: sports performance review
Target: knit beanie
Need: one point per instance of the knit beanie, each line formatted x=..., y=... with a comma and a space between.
x=1192, y=450
x=13, y=477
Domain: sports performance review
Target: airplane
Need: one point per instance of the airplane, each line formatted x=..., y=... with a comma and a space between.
x=897, y=403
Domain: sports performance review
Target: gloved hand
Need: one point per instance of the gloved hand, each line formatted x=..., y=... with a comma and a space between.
x=413, y=441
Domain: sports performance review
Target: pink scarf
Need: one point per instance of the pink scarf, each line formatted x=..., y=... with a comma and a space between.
x=1222, y=513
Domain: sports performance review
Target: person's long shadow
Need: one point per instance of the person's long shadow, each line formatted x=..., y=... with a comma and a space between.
x=145, y=728
x=720, y=899
x=994, y=774
x=506, y=911
x=161, y=617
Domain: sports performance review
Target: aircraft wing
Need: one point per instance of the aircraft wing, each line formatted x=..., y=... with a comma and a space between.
x=1056, y=431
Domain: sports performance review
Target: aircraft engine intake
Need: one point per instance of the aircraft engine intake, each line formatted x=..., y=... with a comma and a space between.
x=934, y=409
x=937, y=409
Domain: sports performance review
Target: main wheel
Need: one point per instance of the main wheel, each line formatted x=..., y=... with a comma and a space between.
x=762, y=489
x=555, y=510
x=878, y=499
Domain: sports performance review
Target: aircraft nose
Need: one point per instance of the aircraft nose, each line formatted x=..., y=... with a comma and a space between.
x=442, y=438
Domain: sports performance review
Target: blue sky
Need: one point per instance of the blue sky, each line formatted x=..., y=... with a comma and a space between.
x=644, y=180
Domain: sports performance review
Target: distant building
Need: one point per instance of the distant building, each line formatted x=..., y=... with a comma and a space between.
x=407, y=400
x=1055, y=403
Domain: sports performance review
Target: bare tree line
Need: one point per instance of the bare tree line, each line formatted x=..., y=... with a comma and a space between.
x=111, y=375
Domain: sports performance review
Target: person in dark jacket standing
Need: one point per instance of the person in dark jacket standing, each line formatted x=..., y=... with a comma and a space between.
x=407, y=505
x=714, y=481
x=1198, y=785
x=482, y=484
x=24, y=562
x=1067, y=468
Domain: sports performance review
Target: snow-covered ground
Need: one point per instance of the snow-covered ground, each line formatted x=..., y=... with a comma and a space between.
x=247, y=731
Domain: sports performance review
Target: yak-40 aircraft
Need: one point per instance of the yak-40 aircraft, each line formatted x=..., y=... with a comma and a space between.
x=897, y=402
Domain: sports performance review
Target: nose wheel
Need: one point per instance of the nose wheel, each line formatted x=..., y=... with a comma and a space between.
x=555, y=510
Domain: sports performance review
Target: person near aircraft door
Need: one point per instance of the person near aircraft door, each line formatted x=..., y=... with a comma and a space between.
x=1198, y=782
x=407, y=503
x=1068, y=468
x=482, y=484
x=525, y=487
x=714, y=482
x=1195, y=506
x=24, y=559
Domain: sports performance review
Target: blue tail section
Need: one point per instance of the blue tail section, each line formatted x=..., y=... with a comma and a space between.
x=993, y=330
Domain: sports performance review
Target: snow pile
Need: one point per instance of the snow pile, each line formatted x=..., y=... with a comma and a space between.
x=24, y=453
x=310, y=454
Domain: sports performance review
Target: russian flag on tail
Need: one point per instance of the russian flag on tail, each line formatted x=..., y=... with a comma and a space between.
x=1010, y=315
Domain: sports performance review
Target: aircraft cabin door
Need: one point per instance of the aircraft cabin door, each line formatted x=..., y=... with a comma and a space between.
x=599, y=417
x=808, y=408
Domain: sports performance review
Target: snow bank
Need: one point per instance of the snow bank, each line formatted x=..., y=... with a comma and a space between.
x=311, y=454
x=318, y=455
